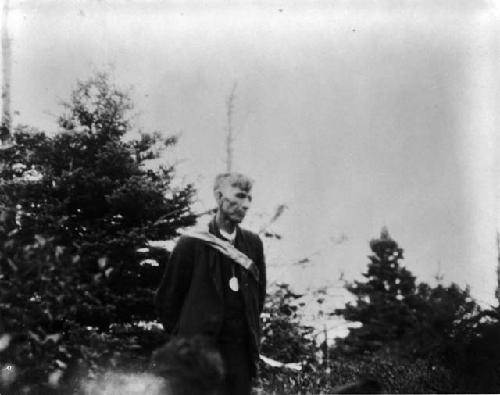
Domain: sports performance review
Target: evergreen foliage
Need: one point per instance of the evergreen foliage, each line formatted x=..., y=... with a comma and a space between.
x=284, y=338
x=475, y=357
x=442, y=314
x=382, y=301
x=75, y=208
x=441, y=327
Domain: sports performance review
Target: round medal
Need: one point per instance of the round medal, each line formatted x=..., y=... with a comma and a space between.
x=233, y=284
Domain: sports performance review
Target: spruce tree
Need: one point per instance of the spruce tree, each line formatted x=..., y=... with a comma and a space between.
x=75, y=208
x=382, y=300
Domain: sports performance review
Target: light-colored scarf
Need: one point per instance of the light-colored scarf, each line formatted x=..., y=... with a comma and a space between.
x=227, y=249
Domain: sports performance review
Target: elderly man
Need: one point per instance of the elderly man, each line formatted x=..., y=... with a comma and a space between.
x=214, y=284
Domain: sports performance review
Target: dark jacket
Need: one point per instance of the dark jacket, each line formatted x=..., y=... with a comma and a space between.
x=190, y=297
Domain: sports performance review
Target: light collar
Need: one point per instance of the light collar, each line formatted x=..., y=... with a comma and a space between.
x=228, y=236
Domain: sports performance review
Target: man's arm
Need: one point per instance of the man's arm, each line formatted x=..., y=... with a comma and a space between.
x=174, y=285
x=261, y=264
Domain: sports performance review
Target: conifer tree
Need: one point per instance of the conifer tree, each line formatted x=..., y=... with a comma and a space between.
x=382, y=301
x=75, y=208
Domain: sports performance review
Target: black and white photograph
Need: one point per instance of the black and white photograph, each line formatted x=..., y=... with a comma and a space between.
x=249, y=197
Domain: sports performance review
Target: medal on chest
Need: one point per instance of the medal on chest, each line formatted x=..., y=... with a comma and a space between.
x=233, y=284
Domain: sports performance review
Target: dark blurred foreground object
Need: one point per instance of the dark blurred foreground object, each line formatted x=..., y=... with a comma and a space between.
x=364, y=386
x=190, y=366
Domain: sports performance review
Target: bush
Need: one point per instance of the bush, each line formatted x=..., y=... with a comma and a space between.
x=284, y=338
x=391, y=373
x=473, y=354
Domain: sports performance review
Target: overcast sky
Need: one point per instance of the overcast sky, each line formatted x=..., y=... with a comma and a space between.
x=355, y=114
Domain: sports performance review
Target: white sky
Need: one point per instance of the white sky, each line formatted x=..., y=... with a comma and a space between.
x=356, y=114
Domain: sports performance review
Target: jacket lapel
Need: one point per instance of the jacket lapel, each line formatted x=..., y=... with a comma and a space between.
x=214, y=263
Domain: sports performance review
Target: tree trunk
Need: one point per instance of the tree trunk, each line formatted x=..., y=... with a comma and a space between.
x=6, y=73
x=229, y=136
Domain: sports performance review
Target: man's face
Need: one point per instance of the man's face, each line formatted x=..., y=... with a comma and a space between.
x=233, y=202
